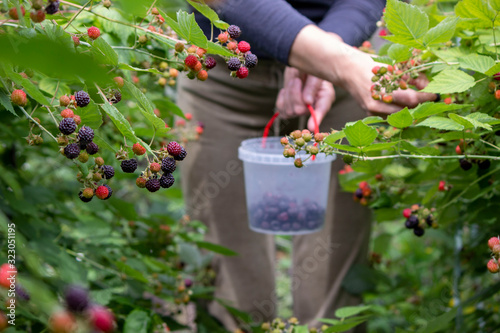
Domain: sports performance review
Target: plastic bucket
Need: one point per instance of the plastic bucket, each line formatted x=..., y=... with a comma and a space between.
x=282, y=199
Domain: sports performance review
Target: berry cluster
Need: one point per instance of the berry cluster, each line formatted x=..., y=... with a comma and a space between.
x=280, y=326
x=78, y=305
x=494, y=245
x=92, y=34
x=390, y=78
x=303, y=141
x=280, y=213
x=159, y=172
x=38, y=10
x=363, y=193
x=465, y=163
x=418, y=218
x=243, y=59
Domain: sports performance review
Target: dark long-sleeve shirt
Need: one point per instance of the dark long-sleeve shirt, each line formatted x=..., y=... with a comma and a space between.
x=271, y=26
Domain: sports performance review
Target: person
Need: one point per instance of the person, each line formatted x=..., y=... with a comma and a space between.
x=313, y=38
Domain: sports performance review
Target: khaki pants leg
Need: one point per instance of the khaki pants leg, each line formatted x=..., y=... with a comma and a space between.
x=321, y=260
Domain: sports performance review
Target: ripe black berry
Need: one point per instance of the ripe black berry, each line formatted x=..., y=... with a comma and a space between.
x=110, y=190
x=182, y=155
x=233, y=64
x=210, y=62
x=358, y=193
x=168, y=165
x=82, y=98
x=153, y=185
x=85, y=135
x=251, y=60
x=418, y=231
x=108, y=171
x=22, y=293
x=67, y=126
x=72, y=151
x=429, y=220
x=92, y=148
x=52, y=8
x=466, y=165
x=412, y=222
x=167, y=180
x=234, y=31
x=484, y=164
x=117, y=97
x=77, y=299
x=80, y=195
x=129, y=166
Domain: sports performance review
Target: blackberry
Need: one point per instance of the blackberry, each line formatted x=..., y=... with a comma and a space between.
x=92, y=148
x=465, y=165
x=52, y=8
x=168, y=165
x=251, y=60
x=82, y=98
x=72, y=151
x=210, y=62
x=77, y=299
x=166, y=180
x=359, y=192
x=484, y=164
x=153, y=185
x=82, y=145
x=182, y=155
x=233, y=64
x=110, y=191
x=116, y=98
x=429, y=220
x=412, y=222
x=67, y=126
x=418, y=231
x=22, y=293
x=85, y=135
x=234, y=31
x=188, y=283
x=174, y=148
x=80, y=195
x=129, y=166
x=108, y=171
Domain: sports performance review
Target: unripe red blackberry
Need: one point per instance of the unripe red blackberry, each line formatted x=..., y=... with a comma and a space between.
x=13, y=13
x=99, y=161
x=101, y=318
x=243, y=46
x=77, y=119
x=64, y=100
x=129, y=166
x=234, y=31
x=179, y=47
x=167, y=180
x=168, y=165
x=85, y=135
x=153, y=185
x=202, y=75
x=223, y=37
x=233, y=64
x=18, y=97
x=174, y=148
x=138, y=149
x=191, y=61
x=155, y=167
x=242, y=72
x=62, y=322
x=37, y=16
x=102, y=192
x=93, y=32
x=82, y=98
x=298, y=163
x=72, y=151
x=210, y=62
x=119, y=81
x=92, y=148
x=67, y=113
x=62, y=140
x=108, y=171
x=77, y=299
x=140, y=182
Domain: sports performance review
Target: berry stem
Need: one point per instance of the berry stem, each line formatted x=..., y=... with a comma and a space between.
x=77, y=13
x=489, y=144
x=148, y=12
x=52, y=115
x=35, y=122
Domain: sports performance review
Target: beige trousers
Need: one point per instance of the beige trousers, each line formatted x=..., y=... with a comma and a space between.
x=233, y=110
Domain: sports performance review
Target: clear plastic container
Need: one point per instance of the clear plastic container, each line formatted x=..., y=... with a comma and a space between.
x=281, y=198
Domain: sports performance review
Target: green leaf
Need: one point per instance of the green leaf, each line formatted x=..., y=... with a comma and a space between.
x=166, y=105
x=477, y=123
x=477, y=9
x=103, y=143
x=27, y=85
x=301, y=329
x=103, y=52
x=137, y=69
x=373, y=120
x=347, y=324
x=119, y=120
x=493, y=70
x=137, y=322
x=384, y=60
x=495, y=4
x=216, y=248
x=208, y=13
x=400, y=119
x=345, y=147
x=442, y=32
x=461, y=120
x=399, y=52
x=482, y=117
x=349, y=311
x=214, y=48
x=430, y=108
x=131, y=272
x=450, y=81
x=6, y=103
x=147, y=108
x=360, y=134
x=408, y=23
x=187, y=27
x=476, y=62
x=441, y=123
x=90, y=115
x=50, y=86
x=332, y=138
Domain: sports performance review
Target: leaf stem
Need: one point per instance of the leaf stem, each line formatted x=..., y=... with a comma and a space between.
x=77, y=13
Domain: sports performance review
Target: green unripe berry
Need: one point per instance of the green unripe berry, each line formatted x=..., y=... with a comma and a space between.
x=313, y=150
x=347, y=159
x=83, y=157
x=298, y=163
x=382, y=70
x=375, y=78
x=300, y=142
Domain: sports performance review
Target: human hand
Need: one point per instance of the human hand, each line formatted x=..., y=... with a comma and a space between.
x=299, y=90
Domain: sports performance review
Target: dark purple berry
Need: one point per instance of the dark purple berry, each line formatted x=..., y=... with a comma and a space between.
x=358, y=193
x=484, y=164
x=110, y=190
x=188, y=283
x=465, y=165
x=108, y=171
x=72, y=151
x=52, y=8
x=85, y=135
x=67, y=126
x=418, y=231
x=82, y=98
x=129, y=166
x=22, y=293
x=92, y=148
x=234, y=31
x=182, y=155
x=153, y=185
x=168, y=165
x=233, y=64
x=412, y=222
x=251, y=60
x=166, y=181
x=210, y=62
x=77, y=299
x=174, y=148
x=429, y=220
